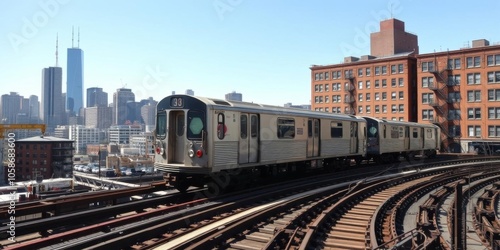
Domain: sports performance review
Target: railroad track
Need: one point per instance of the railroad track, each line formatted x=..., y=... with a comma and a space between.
x=185, y=219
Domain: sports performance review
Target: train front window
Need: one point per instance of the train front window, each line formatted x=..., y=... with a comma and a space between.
x=372, y=131
x=161, y=125
x=196, y=123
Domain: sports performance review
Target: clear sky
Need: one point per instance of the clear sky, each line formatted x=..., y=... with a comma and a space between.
x=262, y=49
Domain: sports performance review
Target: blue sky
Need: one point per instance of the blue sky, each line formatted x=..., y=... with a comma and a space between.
x=262, y=49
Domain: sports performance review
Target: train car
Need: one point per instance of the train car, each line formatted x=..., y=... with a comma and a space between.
x=387, y=140
x=198, y=138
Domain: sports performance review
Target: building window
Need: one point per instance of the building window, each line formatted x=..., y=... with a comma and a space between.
x=494, y=95
x=368, y=71
x=474, y=96
x=377, y=109
x=368, y=97
x=394, y=108
x=473, y=78
x=327, y=76
x=493, y=131
x=321, y=88
x=401, y=94
x=384, y=70
x=335, y=86
x=473, y=113
x=494, y=113
x=401, y=82
x=427, y=98
x=377, y=84
x=360, y=85
x=327, y=110
x=454, y=130
x=384, y=95
x=401, y=108
x=494, y=77
x=393, y=69
x=454, y=114
x=368, y=109
x=393, y=82
x=453, y=80
x=393, y=95
x=474, y=131
x=427, y=66
x=348, y=74
x=368, y=84
x=327, y=99
x=384, y=108
x=454, y=63
x=377, y=96
x=321, y=99
x=327, y=87
x=454, y=97
x=400, y=68
x=360, y=109
x=377, y=70
x=493, y=60
x=360, y=97
x=427, y=82
x=473, y=62
x=384, y=83
x=360, y=72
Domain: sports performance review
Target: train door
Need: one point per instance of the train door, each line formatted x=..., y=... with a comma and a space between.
x=313, y=137
x=354, y=137
x=176, y=136
x=407, y=138
x=249, y=138
x=422, y=137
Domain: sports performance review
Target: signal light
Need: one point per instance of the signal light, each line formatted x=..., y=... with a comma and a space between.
x=158, y=150
x=199, y=153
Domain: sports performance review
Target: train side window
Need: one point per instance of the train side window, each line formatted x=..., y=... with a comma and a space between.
x=429, y=133
x=253, y=126
x=336, y=130
x=243, y=126
x=385, y=131
x=286, y=128
x=309, y=128
x=221, y=124
x=415, y=133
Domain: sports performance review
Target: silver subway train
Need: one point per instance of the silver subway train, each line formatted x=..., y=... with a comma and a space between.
x=204, y=141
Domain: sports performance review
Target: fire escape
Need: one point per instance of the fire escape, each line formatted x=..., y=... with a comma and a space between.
x=442, y=104
x=349, y=96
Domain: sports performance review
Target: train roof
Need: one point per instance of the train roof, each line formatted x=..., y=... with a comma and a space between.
x=263, y=108
x=401, y=123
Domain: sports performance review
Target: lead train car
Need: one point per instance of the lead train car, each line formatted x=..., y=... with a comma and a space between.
x=197, y=138
x=387, y=140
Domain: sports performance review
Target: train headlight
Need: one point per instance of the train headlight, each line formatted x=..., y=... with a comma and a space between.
x=191, y=153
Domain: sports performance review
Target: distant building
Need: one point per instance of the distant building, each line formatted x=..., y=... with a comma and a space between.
x=303, y=106
x=83, y=136
x=11, y=106
x=46, y=157
x=143, y=142
x=189, y=92
x=122, y=110
x=61, y=132
x=74, y=82
x=120, y=134
x=52, y=109
x=34, y=112
x=98, y=117
x=233, y=96
x=96, y=97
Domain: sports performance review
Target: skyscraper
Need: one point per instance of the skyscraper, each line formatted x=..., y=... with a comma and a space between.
x=11, y=106
x=120, y=109
x=34, y=113
x=52, y=109
x=74, y=80
x=96, y=97
x=233, y=96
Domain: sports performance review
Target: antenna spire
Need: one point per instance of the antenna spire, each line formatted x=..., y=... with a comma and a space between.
x=73, y=37
x=78, y=46
x=57, y=49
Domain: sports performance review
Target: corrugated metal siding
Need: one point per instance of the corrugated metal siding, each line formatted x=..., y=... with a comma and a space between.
x=335, y=147
x=225, y=153
x=279, y=150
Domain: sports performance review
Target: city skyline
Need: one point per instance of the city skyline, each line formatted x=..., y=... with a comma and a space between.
x=219, y=46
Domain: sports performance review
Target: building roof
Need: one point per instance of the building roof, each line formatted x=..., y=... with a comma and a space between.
x=410, y=54
x=44, y=139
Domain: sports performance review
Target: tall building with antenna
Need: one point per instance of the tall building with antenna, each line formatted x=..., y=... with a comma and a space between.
x=74, y=80
x=51, y=109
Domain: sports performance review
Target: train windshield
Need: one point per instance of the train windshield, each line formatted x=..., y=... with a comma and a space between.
x=196, y=123
x=161, y=124
x=372, y=131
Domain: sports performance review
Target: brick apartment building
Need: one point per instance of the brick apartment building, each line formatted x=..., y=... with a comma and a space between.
x=45, y=156
x=455, y=89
